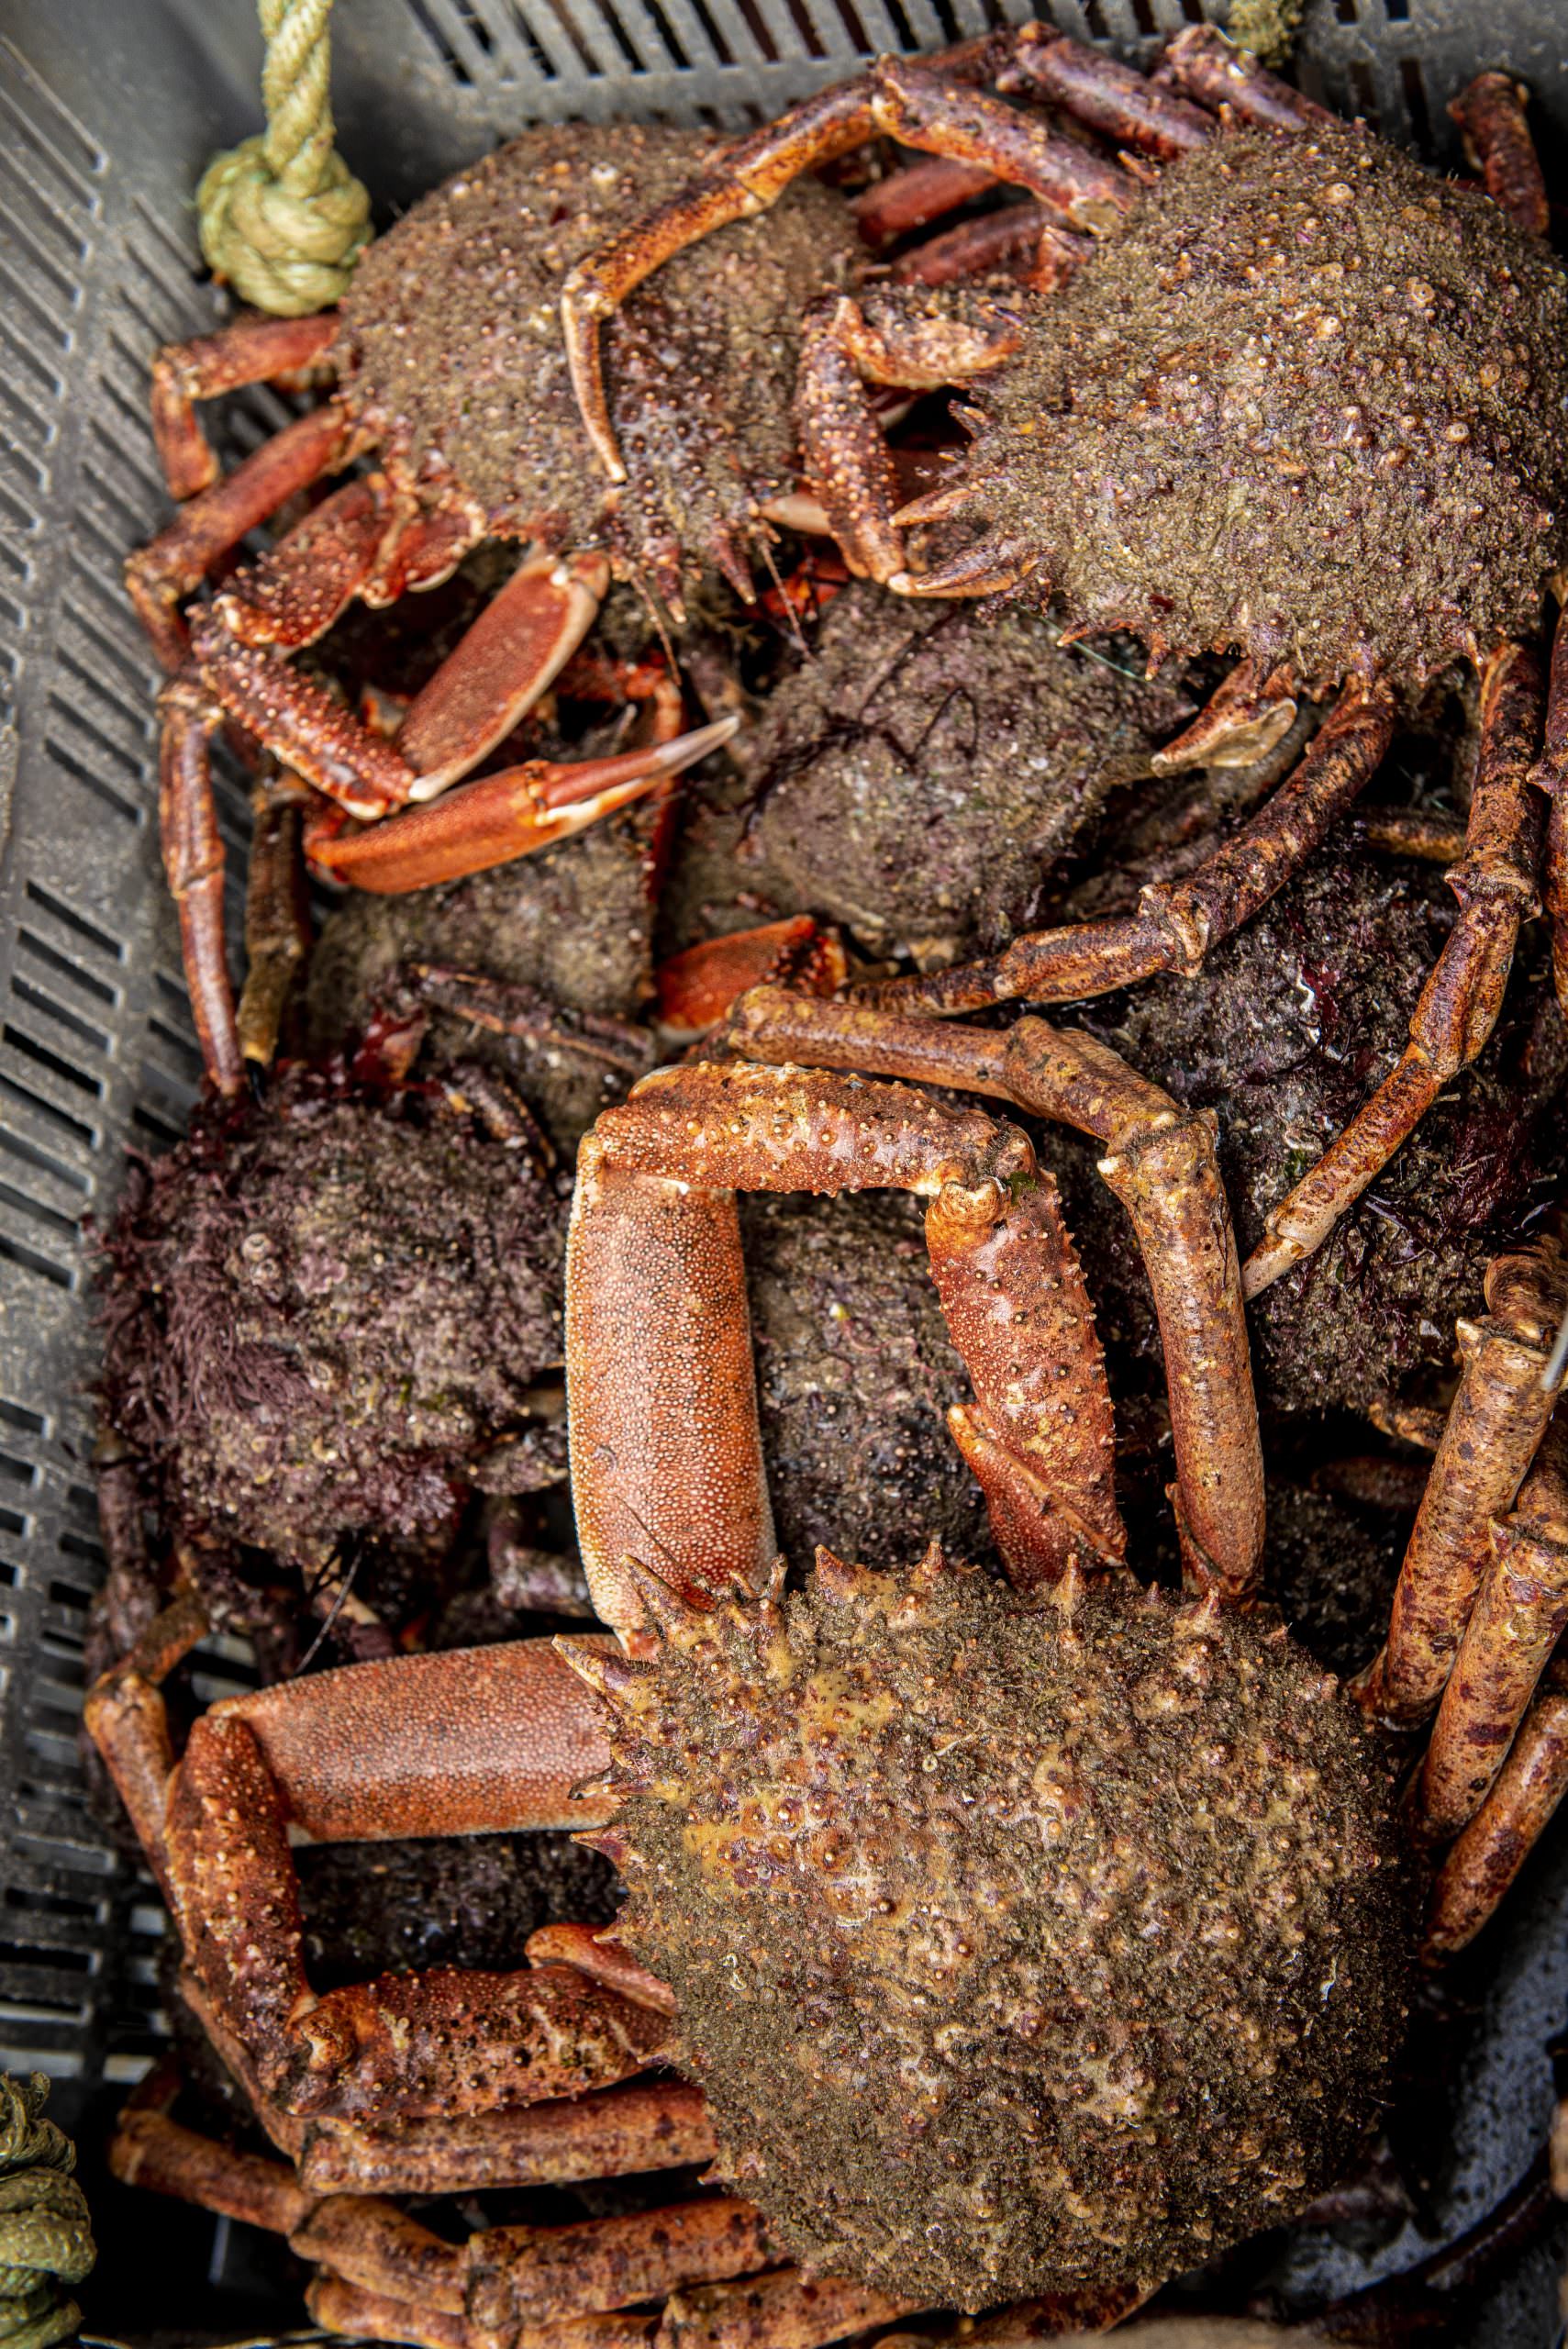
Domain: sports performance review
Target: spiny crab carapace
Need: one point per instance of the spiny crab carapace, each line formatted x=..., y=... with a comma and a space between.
x=1031, y=1939
x=1293, y=399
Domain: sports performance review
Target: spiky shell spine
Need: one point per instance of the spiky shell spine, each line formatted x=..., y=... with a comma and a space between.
x=1017, y=1950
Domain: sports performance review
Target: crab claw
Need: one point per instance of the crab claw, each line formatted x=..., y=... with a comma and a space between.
x=498, y=818
x=697, y=987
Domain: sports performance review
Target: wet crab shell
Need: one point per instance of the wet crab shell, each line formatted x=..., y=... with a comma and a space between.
x=1017, y=1951
x=1310, y=404
x=918, y=773
x=451, y=358
x=321, y=1313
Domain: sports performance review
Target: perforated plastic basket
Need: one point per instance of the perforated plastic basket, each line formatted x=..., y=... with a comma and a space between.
x=108, y=109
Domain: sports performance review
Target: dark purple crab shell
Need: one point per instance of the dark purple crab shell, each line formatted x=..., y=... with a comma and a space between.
x=452, y=364
x=1309, y=403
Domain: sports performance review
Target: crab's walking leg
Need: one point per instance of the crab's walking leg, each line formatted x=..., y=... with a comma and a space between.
x=1177, y=923
x=1109, y=97
x=500, y=816
x=194, y=866
x=1160, y=1162
x=613, y=2132
x=1494, y=1426
x=251, y=351
x=174, y=563
x=908, y=103
x=1550, y=776
x=476, y=1740
x=845, y=458
x=1495, y=886
x=1497, y=1841
x=277, y=915
x=1491, y=114
x=1016, y=235
x=1205, y=66
x=914, y=197
x=509, y=2282
x=1519, y=1613
x=666, y=1460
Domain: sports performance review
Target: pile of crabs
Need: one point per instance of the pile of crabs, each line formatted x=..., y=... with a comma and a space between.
x=771, y=1811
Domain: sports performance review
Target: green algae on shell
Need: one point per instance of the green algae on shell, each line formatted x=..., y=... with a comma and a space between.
x=1017, y=1949
x=1309, y=403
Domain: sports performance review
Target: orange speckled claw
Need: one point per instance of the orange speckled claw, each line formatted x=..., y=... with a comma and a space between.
x=698, y=987
x=499, y=817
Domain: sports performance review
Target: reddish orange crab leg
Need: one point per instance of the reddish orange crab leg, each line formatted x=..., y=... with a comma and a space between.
x=175, y=562
x=501, y=817
x=1493, y=1430
x=251, y=351
x=1160, y=1165
x=1177, y=922
x=515, y=650
x=1550, y=776
x=1109, y=97
x=1493, y=1847
x=1018, y=234
x=1205, y=66
x=665, y=1458
x=615, y=2133
x=1491, y=114
x=916, y=195
x=1520, y=1611
x=193, y=866
x=293, y=596
x=486, y=1739
x=696, y=988
x=907, y=102
x=1496, y=883
x=277, y=915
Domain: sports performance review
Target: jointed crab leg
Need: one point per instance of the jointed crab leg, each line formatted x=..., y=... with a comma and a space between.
x=500, y=816
x=1177, y=922
x=1205, y=66
x=1495, y=886
x=613, y=2132
x=1551, y=776
x=1495, y=1846
x=907, y=102
x=1160, y=1162
x=1520, y=1611
x=1491, y=114
x=666, y=1458
x=277, y=915
x=1493, y=1427
x=254, y=350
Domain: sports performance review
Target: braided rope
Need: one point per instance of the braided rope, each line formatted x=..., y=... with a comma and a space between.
x=280, y=215
x=45, y=2239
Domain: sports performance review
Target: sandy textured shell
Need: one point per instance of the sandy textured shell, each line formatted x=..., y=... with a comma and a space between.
x=1311, y=402
x=1016, y=1951
x=453, y=359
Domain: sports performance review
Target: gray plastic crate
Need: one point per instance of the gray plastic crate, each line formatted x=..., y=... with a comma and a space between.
x=108, y=109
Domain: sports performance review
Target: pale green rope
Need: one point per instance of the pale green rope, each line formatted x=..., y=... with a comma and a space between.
x=282, y=218
x=45, y=2240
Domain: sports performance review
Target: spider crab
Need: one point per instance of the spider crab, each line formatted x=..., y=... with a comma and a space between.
x=1296, y=399
x=1036, y=1938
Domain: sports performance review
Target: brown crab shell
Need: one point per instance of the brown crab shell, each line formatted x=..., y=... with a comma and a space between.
x=452, y=361
x=1309, y=403
x=321, y=1312
x=1017, y=1951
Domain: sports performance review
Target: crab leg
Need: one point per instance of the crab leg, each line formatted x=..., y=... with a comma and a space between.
x=613, y=2132
x=666, y=1456
x=1520, y=1611
x=485, y=1740
x=906, y=101
x=1160, y=1165
x=696, y=987
x=1495, y=1846
x=500, y=816
x=1495, y=885
x=1550, y=776
x=251, y=351
x=916, y=195
x=844, y=455
x=277, y=915
x=1108, y=97
x=1177, y=922
x=194, y=866
x=1491, y=114
x=1203, y=65
x=1018, y=233
x=174, y=563
x=1493, y=1427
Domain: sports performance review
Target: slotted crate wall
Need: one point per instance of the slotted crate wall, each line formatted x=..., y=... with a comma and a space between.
x=107, y=114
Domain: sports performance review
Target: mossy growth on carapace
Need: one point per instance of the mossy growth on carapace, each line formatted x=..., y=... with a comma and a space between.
x=1019, y=1947
x=1307, y=405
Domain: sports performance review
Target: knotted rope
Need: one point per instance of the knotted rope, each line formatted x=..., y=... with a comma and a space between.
x=282, y=218
x=45, y=2240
